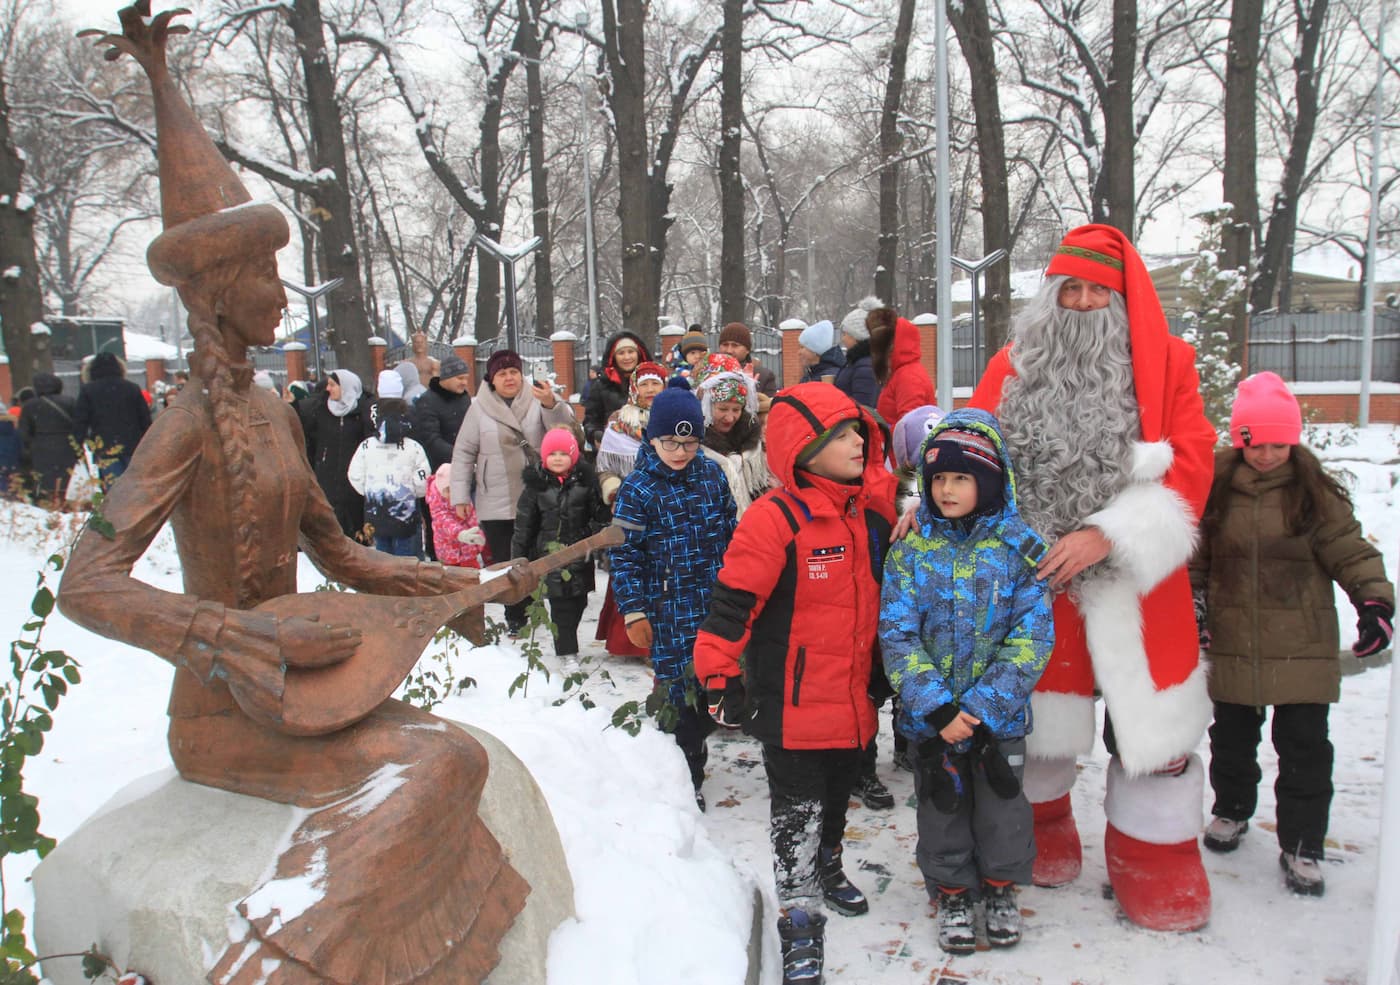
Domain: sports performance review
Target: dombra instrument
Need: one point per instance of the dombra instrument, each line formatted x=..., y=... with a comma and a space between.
x=395, y=629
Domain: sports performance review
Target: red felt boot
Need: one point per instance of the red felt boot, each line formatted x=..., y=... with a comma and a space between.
x=1153, y=854
x=1160, y=887
x=1058, y=856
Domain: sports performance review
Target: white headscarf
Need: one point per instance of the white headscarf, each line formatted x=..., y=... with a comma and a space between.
x=350, y=390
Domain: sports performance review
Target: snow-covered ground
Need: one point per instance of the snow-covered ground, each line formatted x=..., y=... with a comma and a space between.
x=662, y=891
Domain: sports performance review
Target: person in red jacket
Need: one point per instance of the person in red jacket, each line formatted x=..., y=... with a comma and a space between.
x=1101, y=410
x=895, y=356
x=799, y=591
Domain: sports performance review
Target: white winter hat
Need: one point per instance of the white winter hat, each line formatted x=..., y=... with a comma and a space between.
x=818, y=337
x=854, y=322
x=390, y=384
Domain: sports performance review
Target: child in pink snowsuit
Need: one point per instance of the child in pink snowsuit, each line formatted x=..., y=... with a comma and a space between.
x=458, y=542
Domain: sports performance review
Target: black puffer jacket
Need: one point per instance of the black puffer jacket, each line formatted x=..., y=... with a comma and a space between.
x=111, y=409
x=857, y=378
x=46, y=433
x=609, y=391
x=330, y=444
x=551, y=515
x=437, y=417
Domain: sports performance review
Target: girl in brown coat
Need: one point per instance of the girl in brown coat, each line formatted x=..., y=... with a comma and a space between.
x=1278, y=531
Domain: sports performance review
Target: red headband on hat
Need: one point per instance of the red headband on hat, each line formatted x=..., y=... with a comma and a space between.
x=1094, y=253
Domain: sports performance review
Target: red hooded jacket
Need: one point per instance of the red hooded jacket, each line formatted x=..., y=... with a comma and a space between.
x=908, y=385
x=800, y=586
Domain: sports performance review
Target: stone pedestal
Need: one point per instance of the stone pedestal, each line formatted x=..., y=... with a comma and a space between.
x=153, y=876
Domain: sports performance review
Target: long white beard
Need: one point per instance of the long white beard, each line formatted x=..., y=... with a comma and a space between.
x=1069, y=414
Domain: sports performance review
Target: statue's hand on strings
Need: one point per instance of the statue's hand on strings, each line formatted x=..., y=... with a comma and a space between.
x=307, y=643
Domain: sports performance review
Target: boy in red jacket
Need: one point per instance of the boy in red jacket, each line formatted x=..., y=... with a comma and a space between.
x=800, y=592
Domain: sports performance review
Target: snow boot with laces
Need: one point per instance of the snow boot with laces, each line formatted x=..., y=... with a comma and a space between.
x=1223, y=834
x=1302, y=875
x=956, y=933
x=840, y=895
x=801, y=934
x=1003, y=913
x=874, y=794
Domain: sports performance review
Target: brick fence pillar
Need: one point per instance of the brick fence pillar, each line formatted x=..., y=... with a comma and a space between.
x=295, y=355
x=465, y=347
x=378, y=349
x=668, y=336
x=928, y=349
x=155, y=372
x=564, y=343
x=7, y=386
x=792, y=361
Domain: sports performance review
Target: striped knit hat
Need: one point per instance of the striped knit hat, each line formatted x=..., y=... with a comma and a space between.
x=969, y=452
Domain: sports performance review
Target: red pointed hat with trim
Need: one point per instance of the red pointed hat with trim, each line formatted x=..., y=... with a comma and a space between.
x=1102, y=254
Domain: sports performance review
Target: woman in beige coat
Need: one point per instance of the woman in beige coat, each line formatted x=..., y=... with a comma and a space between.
x=1277, y=532
x=499, y=437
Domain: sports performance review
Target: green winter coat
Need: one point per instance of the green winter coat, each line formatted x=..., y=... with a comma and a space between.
x=1271, y=609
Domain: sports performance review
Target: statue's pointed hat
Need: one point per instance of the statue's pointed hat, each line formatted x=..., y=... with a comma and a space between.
x=208, y=215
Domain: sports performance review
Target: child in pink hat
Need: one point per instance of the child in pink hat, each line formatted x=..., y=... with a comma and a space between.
x=1278, y=531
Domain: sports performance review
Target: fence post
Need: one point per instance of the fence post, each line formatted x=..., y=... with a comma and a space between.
x=377, y=349
x=928, y=351
x=465, y=347
x=295, y=355
x=667, y=337
x=7, y=386
x=792, y=361
x=155, y=371
x=564, y=360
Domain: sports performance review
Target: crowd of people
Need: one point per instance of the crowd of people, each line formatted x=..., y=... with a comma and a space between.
x=793, y=559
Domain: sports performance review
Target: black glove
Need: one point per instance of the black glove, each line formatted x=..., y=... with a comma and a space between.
x=727, y=703
x=985, y=754
x=1198, y=603
x=939, y=779
x=1375, y=627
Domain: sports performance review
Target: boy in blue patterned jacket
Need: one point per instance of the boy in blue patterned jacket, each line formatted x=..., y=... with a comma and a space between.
x=966, y=630
x=679, y=515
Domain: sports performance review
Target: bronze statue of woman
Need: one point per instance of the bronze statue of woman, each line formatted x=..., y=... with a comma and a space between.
x=407, y=883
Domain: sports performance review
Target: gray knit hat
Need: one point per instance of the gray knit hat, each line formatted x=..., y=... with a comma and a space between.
x=453, y=365
x=854, y=322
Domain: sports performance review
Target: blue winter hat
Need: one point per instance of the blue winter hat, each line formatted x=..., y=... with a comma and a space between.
x=675, y=411
x=818, y=337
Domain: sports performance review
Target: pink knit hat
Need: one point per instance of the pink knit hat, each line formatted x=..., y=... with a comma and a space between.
x=560, y=439
x=1265, y=413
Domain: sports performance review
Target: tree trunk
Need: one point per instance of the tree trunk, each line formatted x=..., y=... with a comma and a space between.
x=887, y=252
x=732, y=289
x=1116, y=202
x=972, y=25
x=488, y=273
x=21, y=301
x=539, y=168
x=624, y=25
x=1283, y=217
x=349, y=325
x=1240, y=184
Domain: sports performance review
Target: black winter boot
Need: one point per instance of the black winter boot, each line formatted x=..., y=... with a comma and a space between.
x=840, y=895
x=956, y=933
x=802, y=935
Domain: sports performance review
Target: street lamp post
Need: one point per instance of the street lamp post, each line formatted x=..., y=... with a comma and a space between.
x=974, y=268
x=594, y=343
x=508, y=257
x=312, y=296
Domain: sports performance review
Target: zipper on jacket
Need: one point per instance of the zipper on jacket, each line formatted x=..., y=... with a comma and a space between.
x=991, y=607
x=799, y=667
x=1254, y=609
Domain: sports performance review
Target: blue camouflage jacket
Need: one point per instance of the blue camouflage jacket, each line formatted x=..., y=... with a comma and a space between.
x=678, y=525
x=963, y=620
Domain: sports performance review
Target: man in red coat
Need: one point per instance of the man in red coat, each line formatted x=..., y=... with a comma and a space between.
x=1103, y=417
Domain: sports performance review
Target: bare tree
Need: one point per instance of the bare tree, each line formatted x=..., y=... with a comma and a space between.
x=973, y=27
x=732, y=290
x=891, y=139
x=21, y=301
x=530, y=44
x=1239, y=173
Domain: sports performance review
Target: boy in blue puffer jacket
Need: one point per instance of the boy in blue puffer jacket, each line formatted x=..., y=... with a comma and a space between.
x=678, y=515
x=966, y=630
